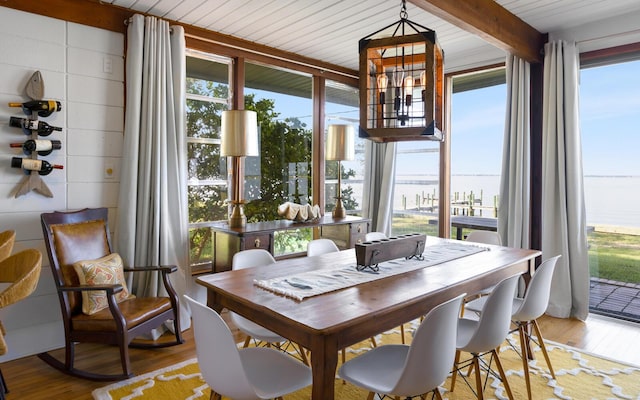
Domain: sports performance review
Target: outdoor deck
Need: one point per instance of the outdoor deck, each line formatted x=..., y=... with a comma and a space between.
x=615, y=299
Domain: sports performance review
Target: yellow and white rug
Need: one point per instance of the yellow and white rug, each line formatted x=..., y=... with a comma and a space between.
x=579, y=376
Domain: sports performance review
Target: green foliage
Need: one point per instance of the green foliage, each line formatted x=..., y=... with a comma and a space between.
x=285, y=162
x=283, y=173
x=614, y=256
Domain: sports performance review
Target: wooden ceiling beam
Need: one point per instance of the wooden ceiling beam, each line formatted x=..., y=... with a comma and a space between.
x=491, y=22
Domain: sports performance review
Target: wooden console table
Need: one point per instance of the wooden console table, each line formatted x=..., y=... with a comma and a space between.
x=345, y=232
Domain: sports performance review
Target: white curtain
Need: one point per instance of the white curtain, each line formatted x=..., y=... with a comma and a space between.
x=379, y=174
x=513, y=212
x=563, y=209
x=152, y=205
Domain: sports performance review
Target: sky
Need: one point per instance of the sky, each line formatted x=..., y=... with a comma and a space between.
x=609, y=122
x=609, y=119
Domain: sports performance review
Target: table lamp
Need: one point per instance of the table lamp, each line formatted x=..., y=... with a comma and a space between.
x=340, y=147
x=238, y=139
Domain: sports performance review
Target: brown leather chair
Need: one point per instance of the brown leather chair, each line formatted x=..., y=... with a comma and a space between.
x=84, y=235
x=22, y=272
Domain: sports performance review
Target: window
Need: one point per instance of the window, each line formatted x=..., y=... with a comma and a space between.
x=609, y=119
x=207, y=96
x=341, y=107
x=282, y=172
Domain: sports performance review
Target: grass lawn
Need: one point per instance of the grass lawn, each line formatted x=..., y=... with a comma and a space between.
x=614, y=256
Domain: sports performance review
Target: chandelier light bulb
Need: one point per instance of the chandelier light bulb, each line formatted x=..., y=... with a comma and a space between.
x=408, y=89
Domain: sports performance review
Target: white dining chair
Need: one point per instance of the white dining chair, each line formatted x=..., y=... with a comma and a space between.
x=318, y=247
x=242, y=374
x=485, y=237
x=410, y=370
x=483, y=336
x=321, y=246
x=248, y=259
x=526, y=310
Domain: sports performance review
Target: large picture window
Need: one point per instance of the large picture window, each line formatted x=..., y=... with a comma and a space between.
x=207, y=96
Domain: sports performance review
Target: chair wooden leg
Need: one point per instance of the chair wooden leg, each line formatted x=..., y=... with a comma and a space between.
x=124, y=359
x=402, y=333
x=303, y=355
x=543, y=347
x=454, y=373
x=437, y=393
x=371, y=395
x=524, y=349
x=476, y=363
x=246, y=342
x=373, y=342
x=502, y=375
x=215, y=396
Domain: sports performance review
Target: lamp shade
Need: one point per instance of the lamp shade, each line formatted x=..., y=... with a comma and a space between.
x=340, y=143
x=239, y=134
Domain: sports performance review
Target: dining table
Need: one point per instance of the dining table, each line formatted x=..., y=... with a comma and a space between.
x=328, y=322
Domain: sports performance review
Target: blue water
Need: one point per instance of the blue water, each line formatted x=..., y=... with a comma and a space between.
x=609, y=200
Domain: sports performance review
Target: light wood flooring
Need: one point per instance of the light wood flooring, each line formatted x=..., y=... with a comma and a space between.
x=30, y=378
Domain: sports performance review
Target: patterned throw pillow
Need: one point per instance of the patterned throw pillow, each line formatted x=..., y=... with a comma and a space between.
x=105, y=270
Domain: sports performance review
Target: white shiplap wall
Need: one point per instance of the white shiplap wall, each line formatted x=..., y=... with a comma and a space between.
x=72, y=60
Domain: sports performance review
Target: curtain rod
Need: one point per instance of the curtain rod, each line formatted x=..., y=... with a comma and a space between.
x=613, y=35
x=128, y=21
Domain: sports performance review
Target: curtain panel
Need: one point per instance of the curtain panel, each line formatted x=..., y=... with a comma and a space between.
x=152, y=205
x=379, y=175
x=563, y=208
x=514, y=210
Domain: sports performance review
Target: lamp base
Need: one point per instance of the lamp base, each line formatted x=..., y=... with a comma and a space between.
x=339, y=211
x=237, y=219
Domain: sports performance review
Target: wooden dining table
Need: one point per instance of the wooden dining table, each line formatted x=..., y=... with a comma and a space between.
x=326, y=323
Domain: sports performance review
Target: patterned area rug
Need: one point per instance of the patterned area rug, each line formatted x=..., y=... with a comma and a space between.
x=579, y=376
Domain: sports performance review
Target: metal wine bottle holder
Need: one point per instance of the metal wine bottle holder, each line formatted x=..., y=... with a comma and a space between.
x=33, y=181
x=370, y=254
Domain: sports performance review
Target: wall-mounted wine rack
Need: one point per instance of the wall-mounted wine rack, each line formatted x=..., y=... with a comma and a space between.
x=32, y=166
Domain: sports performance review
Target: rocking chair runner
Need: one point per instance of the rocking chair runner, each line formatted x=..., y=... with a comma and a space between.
x=84, y=235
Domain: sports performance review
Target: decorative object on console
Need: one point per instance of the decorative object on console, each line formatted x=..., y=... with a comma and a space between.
x=299, y=212
x=370, y=254
x=340, y=147
x=238, y=139
x=392, y=68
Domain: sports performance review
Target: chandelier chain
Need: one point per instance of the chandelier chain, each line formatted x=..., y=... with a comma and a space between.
x=403, y=10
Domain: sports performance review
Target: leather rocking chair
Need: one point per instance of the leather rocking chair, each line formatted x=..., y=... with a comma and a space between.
x=79, y=237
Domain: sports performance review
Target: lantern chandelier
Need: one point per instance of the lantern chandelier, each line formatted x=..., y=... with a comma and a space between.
x=401, y=80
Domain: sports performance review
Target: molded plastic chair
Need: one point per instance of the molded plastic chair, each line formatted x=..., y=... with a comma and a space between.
x=246, y=374
x=22, y=272
x=483, y=336
x=485, y=237
x=248, y=259
x=7, y=239
x=318, y=247
x=403, y=370
x=371, y=236
x=84, y=235
x=526, y=310
x=321, y=246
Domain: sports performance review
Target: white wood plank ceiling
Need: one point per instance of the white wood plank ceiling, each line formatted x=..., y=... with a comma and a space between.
x=329, y=30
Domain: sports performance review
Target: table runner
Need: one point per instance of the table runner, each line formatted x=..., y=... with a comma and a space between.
x=313, y=283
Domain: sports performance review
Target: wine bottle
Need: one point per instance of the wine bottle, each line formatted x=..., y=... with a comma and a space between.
x=43, y=147
x=44, y=108
x=29, y=125
x=41, y=166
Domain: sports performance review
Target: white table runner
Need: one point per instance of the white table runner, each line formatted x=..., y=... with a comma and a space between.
x=313, y=283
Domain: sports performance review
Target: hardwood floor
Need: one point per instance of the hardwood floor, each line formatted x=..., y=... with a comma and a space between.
x=30, y=378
